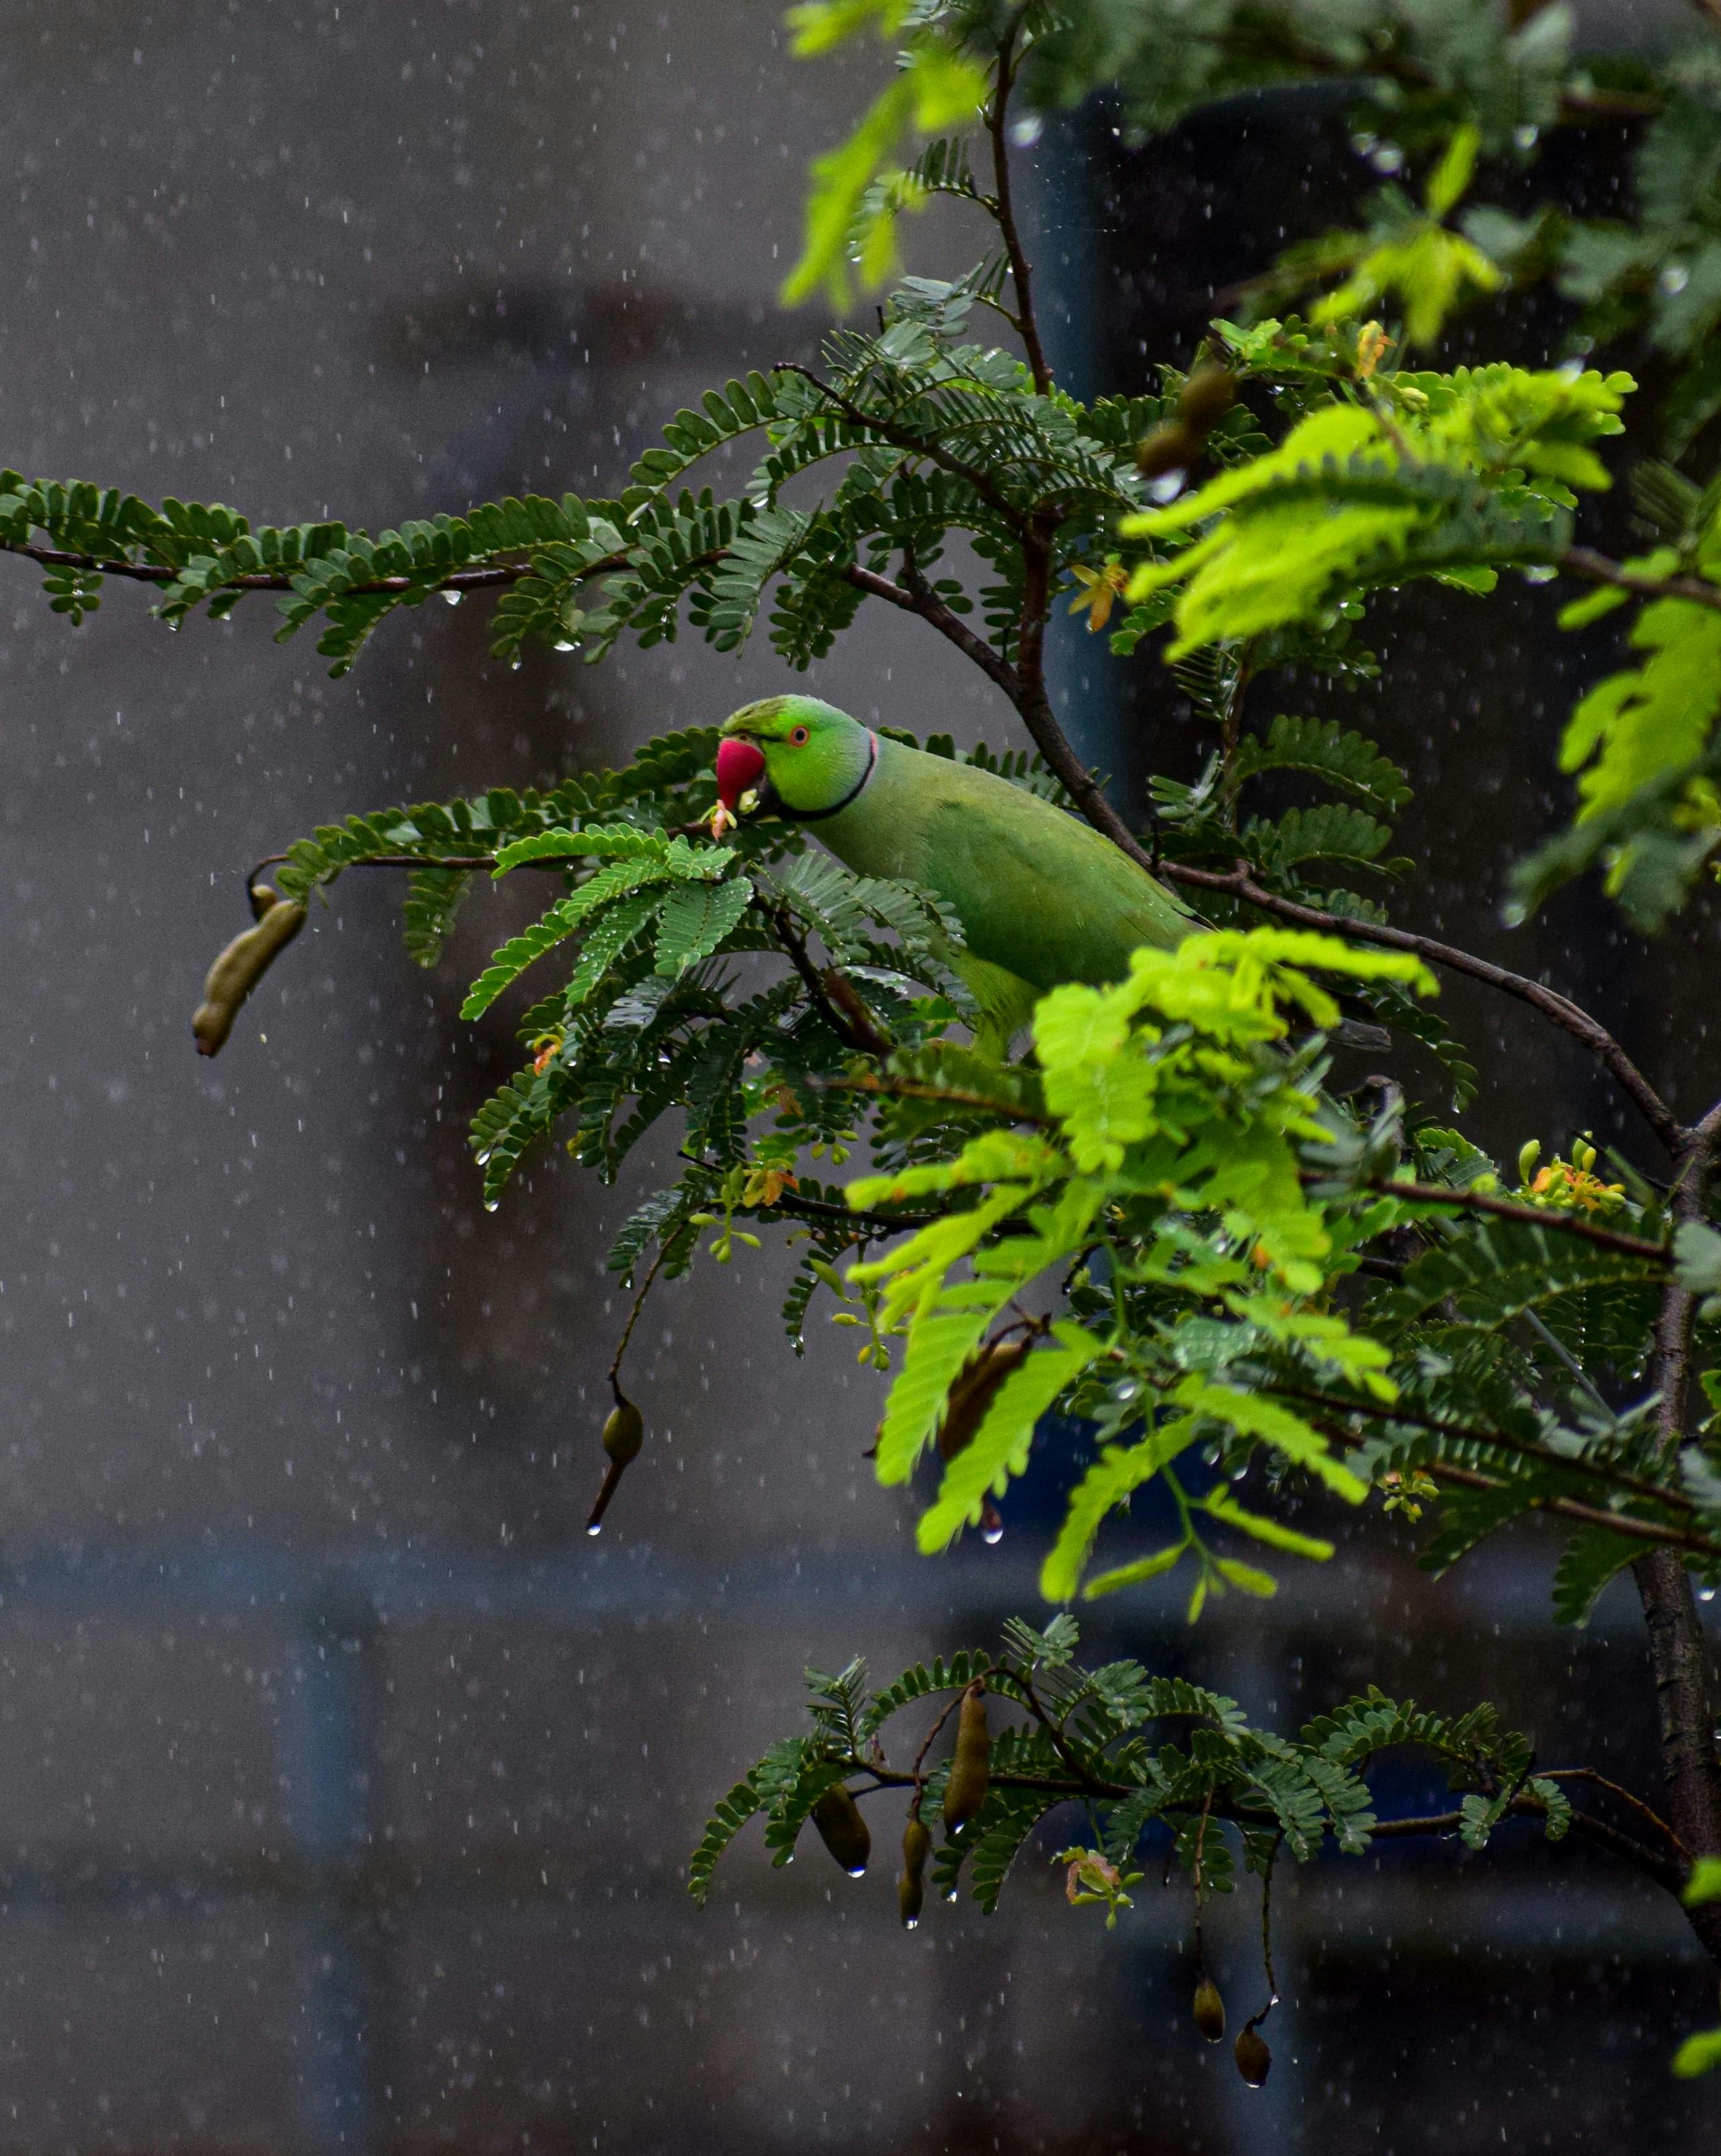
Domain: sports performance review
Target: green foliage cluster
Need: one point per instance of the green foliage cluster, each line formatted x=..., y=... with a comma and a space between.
x=1146, y=1758
x=1160, y=1219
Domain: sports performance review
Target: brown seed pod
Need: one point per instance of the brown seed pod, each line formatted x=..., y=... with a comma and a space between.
x=241, y=965
x=1207, y=396
x=1167, y=448
x=911, y=1887
x=842, y=1829
x=970, y=1769
x=1209, y=2010
x=623, y=1434
x=1255, y=2062
x=975, y=1389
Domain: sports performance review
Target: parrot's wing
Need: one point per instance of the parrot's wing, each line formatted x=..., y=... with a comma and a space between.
x=1005, y=999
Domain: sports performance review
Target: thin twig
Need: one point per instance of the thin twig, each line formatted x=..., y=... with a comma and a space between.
x=1509, y=1209
x=276, y=580
x=1616, y=1478
x=560, y=862
x=1591, y=1516
x=1021, y=269
x=1665, y=1870
x=1059, y=1743
x=855, y=1032
x=905, y=438
x=1601, y=1781
x=627, y=1331
x=920, y=1757
x=912, y=1088
x=815, y=1209
x=1568, y=1016
x=1594, y=568
x=1661, y=1869
x=1266, y=1930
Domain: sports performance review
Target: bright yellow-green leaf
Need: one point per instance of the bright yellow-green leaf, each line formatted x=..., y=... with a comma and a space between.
x=1705, y=1884
x=1451, y=176
x=936, y=87
x=1633, y=727
x=1247, y=1578
x=1273, y=1532
x=1698, y=2053
x=999, y=1448
x=1133, y=1575
x=818, y=26
x=1119, y=1470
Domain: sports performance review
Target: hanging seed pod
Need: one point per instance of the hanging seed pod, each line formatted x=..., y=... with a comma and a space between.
x=912, y=1886
x=1209, y=2010
x=973, y=1392
x=842, y=1829
x=1255, y=2062
x=1207, y=396
x=623, y=1434
x=242, y=965
x=970, y=1769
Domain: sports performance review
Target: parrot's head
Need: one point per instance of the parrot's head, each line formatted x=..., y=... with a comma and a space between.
x=798, y=756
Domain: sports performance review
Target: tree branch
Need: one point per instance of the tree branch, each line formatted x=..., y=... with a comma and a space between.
x=1679, y=1651
x=1590, y=1516
x=815, y=1209
x=1615, y=1478
x=1509, y=1209
x=1666, y=1871
x=847, y=1017
x=1594, y=568
x=1020, y=269
x=1269, y=41
x=956, y=1096
x=1568, y=1016
x=279, y=580
x=1600, y=1781
x=914, y=595
x=1663, y=1870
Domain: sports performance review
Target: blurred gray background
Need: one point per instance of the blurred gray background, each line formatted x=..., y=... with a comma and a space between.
x=345, y=1785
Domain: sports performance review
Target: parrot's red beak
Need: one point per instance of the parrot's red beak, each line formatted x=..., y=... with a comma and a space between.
x=740, y=765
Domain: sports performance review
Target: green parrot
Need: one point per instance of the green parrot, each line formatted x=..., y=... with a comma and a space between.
x=1042, y=898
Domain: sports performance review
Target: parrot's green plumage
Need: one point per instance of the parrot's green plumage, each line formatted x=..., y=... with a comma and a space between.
x=1042, y=898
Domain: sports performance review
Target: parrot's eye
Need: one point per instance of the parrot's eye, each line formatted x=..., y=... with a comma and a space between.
x=798, y=737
